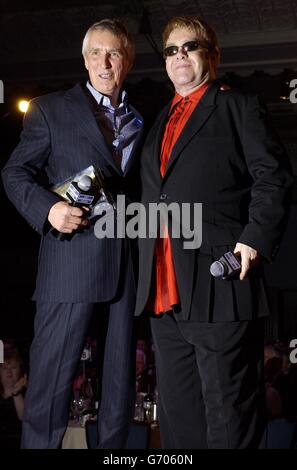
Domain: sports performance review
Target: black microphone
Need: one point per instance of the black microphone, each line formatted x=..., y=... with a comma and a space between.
x=228, y=266
x=80, y=194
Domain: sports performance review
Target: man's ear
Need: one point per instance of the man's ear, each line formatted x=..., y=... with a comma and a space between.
x=131, y=59
x=86, y=63
x=216, y=53
x=130, y=65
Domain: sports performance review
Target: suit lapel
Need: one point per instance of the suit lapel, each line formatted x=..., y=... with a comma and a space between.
x=158, y=132
x=135, y=144
x=198, y=118
x=82, y=114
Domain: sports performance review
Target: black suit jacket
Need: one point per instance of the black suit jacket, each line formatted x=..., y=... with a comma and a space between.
x=61, y=137
x=229, y=159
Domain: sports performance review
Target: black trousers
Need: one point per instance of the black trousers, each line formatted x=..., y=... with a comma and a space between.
x=210, y=382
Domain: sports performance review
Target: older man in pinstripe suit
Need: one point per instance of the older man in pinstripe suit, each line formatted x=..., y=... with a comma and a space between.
x=65, y=132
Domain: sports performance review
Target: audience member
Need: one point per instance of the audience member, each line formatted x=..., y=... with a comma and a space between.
x=141, y=376
x=13, y=381
x=274, y=403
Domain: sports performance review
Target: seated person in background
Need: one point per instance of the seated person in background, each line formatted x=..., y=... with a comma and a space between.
x=141, y=376
x=12, y=384
x=274, y=405
x=270, y=351
x=286, y=385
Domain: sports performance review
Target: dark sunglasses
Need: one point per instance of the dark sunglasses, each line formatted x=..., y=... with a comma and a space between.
x=189, y=46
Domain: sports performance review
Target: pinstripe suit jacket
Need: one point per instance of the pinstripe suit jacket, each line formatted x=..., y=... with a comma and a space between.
x=60, y=137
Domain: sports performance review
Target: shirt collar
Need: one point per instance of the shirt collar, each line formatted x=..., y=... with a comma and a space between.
x=104, y=100
x=192, y=97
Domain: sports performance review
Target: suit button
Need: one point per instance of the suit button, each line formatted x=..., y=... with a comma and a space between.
x=163, y=197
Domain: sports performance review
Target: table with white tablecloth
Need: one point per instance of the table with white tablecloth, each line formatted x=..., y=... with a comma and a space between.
x=74, y=437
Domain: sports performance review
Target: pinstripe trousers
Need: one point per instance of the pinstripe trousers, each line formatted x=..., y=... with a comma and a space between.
x=60, y=331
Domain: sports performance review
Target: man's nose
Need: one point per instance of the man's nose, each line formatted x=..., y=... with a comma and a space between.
x=105, y=62
x=181, y=53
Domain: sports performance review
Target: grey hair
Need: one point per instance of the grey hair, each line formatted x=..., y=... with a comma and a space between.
x=117, y=28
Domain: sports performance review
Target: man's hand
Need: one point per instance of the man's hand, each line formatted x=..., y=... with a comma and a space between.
x=19, y=385
x=66, y=218
x=249, y=258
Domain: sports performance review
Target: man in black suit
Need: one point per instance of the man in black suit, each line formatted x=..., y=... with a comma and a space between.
x=215, y=147
x=64, y=133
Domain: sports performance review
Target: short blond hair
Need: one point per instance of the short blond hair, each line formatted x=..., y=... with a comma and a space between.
x=196, y=24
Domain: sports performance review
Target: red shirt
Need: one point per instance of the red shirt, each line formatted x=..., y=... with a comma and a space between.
x=166, y=290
